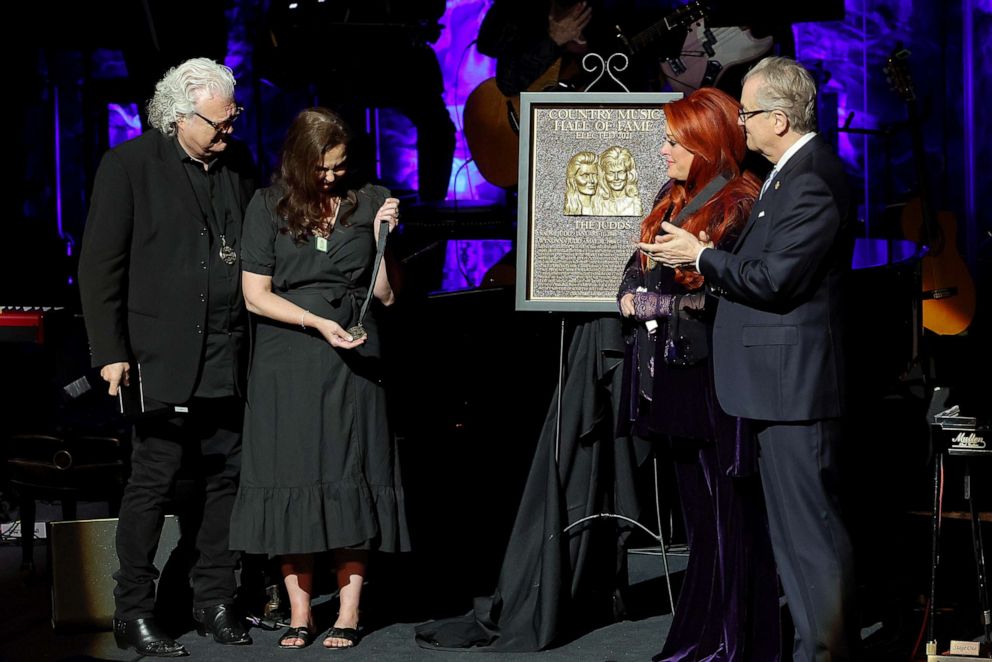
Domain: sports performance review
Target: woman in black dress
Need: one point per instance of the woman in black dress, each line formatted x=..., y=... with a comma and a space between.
x=319, y=470
x=728, y=606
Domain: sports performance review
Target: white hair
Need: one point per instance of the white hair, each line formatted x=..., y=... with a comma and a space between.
x=182, y=86
x=787, y=86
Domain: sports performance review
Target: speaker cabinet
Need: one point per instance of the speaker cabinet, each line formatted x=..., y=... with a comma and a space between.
x=82, y=560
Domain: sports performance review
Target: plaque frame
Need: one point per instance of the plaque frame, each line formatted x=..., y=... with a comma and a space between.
x=534, y=182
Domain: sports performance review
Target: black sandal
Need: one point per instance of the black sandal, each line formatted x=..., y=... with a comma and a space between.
x=348, y=634
x=302, y=632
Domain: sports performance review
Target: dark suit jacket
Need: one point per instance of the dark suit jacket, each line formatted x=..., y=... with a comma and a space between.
x=777, y=336
x=143, y=265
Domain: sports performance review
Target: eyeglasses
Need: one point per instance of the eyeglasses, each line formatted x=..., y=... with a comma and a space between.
x=745, y=115
x=224, y=125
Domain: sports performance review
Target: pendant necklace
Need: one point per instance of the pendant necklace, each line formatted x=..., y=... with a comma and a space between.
x=321, y=241
x=227, y=254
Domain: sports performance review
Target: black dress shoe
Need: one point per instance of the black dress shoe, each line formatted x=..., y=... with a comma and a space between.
x=224, y=623
x=146, y=637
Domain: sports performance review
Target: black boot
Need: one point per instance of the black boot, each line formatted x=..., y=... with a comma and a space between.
x=224, y=623
x=146, y=637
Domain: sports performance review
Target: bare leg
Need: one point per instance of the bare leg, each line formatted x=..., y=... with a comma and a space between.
x=297, y=572
x=351, y=575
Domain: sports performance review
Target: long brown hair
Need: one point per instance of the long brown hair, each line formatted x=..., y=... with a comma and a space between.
x=705, y=123
x=313, y=132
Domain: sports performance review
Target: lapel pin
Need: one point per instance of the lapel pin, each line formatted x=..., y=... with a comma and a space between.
x=777, y=184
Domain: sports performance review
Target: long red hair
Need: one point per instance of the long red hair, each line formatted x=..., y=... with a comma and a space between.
x=705, y=123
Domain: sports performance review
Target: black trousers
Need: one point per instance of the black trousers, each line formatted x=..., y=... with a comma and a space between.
x=799, y=474
x=207, y=441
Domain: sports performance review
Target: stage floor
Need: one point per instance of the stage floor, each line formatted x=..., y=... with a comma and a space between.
x=26, y=632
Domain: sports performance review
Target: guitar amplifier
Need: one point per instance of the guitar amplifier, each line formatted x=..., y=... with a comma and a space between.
x=968, y=438
x=82, y=559
x=964, y=434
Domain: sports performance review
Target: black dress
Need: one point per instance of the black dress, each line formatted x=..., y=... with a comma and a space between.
x=319, y=467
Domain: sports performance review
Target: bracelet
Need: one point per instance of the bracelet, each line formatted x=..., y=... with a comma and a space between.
x=303, y=317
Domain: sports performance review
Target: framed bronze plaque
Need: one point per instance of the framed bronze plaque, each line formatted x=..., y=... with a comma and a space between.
x=590, y=167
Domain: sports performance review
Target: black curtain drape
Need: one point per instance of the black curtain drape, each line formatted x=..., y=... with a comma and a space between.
x=554, y=583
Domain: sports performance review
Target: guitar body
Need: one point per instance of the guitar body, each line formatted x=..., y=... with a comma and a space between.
x=490, y=135
x=732, y=46
x=949, y=306
x=492, y=127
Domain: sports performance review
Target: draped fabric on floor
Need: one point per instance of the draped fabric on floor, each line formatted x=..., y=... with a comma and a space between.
x=554, y=583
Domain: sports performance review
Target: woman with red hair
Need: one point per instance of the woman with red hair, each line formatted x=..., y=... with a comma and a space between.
x=728, y=606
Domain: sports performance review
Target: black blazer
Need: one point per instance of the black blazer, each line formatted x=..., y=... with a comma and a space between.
x=777, y=336
x=143, y=264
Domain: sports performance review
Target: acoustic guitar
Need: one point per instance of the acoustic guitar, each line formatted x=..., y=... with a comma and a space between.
x=948, y=290
x=491, y=119
x=492, y=127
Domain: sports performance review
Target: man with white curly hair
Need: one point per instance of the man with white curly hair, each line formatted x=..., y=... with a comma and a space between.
x=160, y=282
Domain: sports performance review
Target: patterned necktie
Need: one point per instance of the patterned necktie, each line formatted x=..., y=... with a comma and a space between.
x=768, y=180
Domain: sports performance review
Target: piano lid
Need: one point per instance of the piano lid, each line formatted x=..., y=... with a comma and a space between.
x=870, y=253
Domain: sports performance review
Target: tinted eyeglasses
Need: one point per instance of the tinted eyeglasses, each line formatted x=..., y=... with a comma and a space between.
x=221, y=127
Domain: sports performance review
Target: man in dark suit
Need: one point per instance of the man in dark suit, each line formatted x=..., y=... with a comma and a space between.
x=777, y=346
x=159, y=277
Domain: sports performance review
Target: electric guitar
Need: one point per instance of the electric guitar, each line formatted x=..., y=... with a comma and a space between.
x=948, y=290
x=709, y=52
x=491, y=120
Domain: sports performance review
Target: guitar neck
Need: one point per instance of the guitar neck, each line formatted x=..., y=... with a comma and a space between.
x=897, y=72
x=679, y=19
x=647, y=38
x=930, y=225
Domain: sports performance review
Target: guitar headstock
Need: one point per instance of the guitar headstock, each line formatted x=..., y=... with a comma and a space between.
x=897, y=72
x=686, y=15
